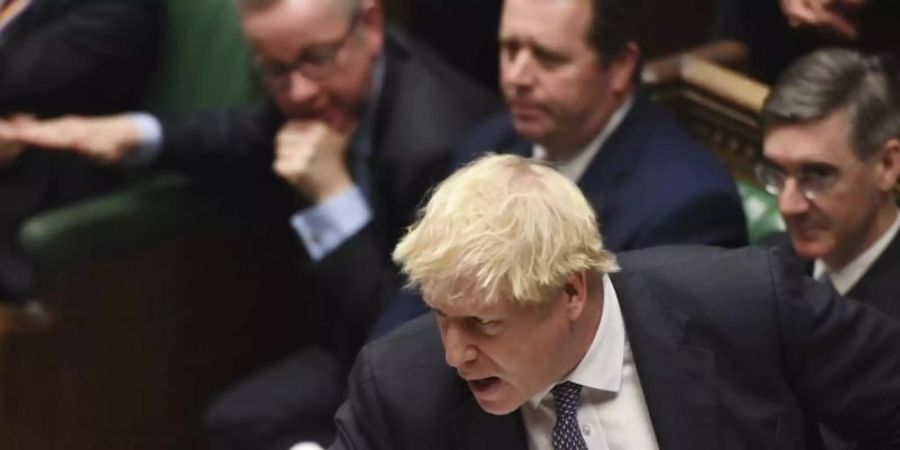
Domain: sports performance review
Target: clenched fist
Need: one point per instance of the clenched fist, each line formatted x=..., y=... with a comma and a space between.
x=311, y=157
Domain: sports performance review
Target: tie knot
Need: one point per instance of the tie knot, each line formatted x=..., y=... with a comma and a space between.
x=566, y=398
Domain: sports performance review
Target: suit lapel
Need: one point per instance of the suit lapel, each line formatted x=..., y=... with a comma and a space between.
x=474, y=429
x=879, y=287
x=617, y=155
x=677, y=379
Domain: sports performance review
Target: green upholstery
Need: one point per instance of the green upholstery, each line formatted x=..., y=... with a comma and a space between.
x=206, y=64
x=761, y=209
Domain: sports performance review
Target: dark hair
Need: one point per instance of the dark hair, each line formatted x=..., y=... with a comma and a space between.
x=829, y=80
x=614, y=23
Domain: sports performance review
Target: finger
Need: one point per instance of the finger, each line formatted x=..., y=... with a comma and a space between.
x=292, y=144
x=21, y=118
x=840, y=26
x=46, y=136
x=799, y=13
x=297, y=124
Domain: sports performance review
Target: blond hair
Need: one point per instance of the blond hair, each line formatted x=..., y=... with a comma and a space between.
x=502, y=226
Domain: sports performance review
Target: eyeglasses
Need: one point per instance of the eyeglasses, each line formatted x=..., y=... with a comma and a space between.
x=315, y=63
x=813, y=181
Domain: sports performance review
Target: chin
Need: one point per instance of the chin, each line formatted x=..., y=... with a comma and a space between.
x=810, y=248
x=499, y=409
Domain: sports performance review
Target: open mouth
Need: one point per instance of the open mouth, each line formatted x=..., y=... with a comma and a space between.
x=483, y=384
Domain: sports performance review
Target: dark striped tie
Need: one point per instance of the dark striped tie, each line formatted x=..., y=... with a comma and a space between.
x=566, y=433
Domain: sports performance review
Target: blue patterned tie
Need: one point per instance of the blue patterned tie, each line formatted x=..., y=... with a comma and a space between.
x=566, y=433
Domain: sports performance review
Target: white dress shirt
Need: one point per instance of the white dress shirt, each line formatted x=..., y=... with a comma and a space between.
x=613, y=413
x=574, y=168
x=844, y=279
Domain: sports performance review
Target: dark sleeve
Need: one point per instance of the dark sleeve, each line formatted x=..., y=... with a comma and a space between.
x=713, y=218
x=844, y=360
x=94, y=58
x=360, y=279
x=360, y=420
x=762, y=27
x=222, y=142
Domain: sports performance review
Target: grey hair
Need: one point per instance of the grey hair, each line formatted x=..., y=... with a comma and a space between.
x=830, y=80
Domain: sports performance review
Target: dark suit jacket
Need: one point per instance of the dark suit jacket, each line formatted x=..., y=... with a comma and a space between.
x=651, y=183
x=733, y=352
x=79, y=56
x=878, y=287
x=67, y=57
x=424, y=109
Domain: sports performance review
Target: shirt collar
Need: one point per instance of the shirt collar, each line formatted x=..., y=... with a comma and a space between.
x=601, y=367
x=575, y=167
x=845, y=278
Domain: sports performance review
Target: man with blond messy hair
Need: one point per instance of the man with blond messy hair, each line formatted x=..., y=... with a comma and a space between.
x=551, y=342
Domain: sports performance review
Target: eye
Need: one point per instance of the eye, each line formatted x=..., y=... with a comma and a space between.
x=819, y=171
x=273, y=69
x=319, y=56
x=549, y=58
x=508, y=50
x=818, y=177
x=486, y=326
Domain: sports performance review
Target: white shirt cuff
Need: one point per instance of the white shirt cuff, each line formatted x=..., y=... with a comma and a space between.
x=151, y=138
x=326, y=226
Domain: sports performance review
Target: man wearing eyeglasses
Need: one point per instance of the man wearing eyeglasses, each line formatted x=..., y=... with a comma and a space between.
x=360, y=123
x=832, y=156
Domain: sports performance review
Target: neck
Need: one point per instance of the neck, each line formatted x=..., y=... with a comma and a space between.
x=572, y=142
x=585, y=332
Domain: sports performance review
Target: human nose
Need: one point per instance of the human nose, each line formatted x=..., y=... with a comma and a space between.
x=301, y=88
x=517, y=70
x=791, y=200
x=457, y=349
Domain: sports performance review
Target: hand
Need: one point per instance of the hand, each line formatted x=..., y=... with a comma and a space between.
x=311, y=157
x=106, y=139
x=829, y=16
x=9, y=148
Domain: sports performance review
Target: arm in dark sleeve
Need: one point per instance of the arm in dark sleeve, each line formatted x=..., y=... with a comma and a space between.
x=89, y=59
x=222, y=142
x=714, y=218
x=359, y=420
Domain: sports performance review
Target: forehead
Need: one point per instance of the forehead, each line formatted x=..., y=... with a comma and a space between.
x=289, y=26
x=469, y=306
x=824, y=140
x=549, y=22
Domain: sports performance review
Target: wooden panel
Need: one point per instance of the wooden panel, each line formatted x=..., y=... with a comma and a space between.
x=143, y=342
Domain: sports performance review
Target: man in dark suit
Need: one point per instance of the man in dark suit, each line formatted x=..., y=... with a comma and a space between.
x=553, y=343
x=57, y=57
x=361, y=122
x=832, y=156
x=568, y=74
